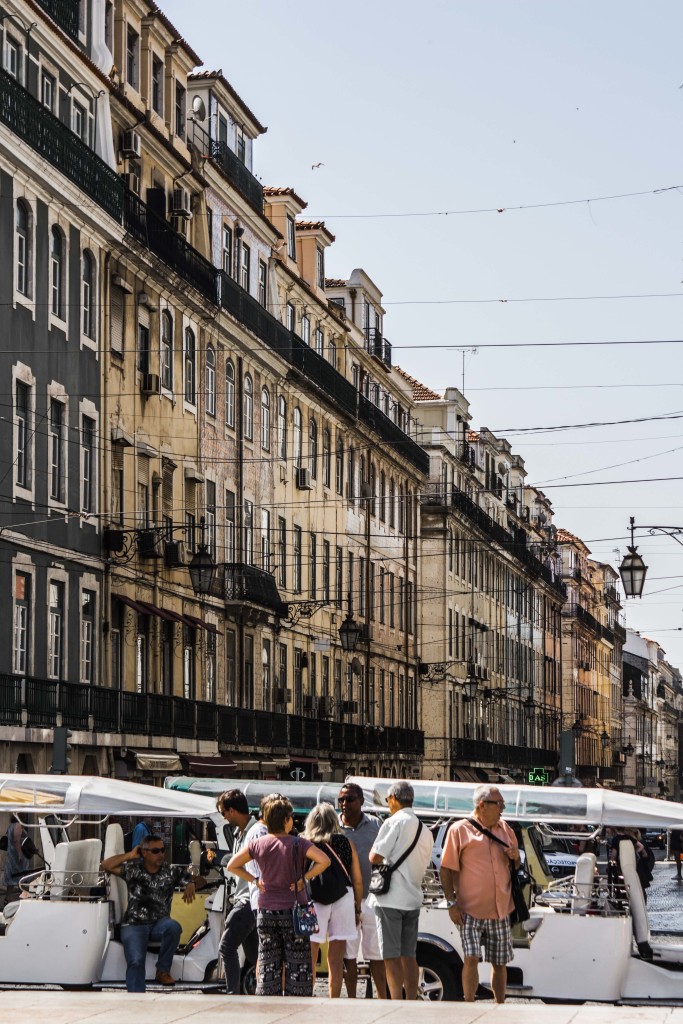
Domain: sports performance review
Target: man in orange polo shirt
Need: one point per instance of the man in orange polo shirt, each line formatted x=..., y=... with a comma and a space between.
x=475, y=875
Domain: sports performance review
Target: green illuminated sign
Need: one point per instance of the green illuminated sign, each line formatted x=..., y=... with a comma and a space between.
x=538, y=777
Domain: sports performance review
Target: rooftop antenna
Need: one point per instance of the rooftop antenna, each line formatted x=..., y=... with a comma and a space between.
x=466, y=351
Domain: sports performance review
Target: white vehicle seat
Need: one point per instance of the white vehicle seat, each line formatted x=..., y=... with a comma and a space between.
x=584, y=874
x=118, y=890
x=76, y=868
x=195, y=850
x=641, y=927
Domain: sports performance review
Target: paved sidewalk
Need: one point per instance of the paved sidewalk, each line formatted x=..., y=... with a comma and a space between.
x=665, y=900
x=177, y=1008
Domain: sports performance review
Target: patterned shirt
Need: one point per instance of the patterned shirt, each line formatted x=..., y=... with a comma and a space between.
x=149, y=896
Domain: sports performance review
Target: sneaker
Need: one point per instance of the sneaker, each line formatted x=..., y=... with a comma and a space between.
x=164, y=978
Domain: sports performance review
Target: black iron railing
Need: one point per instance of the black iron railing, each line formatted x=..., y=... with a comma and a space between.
x=39, y=702
x=502, y=755
x=248, y=583
x=65, y=13
x=237, y=173
x=399, y=442
x=377, y=345
x=54, y=141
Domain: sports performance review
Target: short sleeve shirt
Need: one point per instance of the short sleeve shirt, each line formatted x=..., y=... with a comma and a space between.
x=149, y=896
x=393, y=839
x=275, y=858
x=362, y=837
x=483, y=886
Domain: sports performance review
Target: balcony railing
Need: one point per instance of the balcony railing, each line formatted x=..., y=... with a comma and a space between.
x=377, y=345
x=54, y=141
x=255, y=586
x=65, y=13
x=39, y=702
x=503, y=755
x=237, y=174
x=399, y=442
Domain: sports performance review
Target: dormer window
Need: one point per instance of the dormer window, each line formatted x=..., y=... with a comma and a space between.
x=222, y=129
x=132, y=58
x=240, y=145
x=291, y=238
x=320, y=267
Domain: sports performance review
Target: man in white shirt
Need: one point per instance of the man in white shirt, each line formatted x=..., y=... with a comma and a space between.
x=398, y=910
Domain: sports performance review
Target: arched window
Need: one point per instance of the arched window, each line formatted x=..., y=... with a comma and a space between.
x=313, y=448
x=166, y=352
x=327, y=456
x=57, y=273
x=88, y=289
x=190, y=367
x=23, y=232
x=248, y=408
x=298, y=445
x=211, y=380
x=229, y=393
x=265, y=420
x=282, y=427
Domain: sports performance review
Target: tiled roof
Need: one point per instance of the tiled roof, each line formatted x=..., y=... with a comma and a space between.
x=335, y=282
x=421, y=393
x=314, y=225
x=280, y=190
x=219, y=77
x=177, y=38
x=565, y=537
x=472, y=436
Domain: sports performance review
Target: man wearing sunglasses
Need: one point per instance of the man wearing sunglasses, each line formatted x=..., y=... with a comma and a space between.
x=475, y=876
x=150, y=890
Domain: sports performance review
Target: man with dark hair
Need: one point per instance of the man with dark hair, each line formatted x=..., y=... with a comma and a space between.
x=240, y=924
x=150, y=891
x=361, y=829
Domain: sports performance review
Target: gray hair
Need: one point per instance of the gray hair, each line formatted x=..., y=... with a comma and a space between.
x=321, y=824
x=403, y=792
x=484, y=792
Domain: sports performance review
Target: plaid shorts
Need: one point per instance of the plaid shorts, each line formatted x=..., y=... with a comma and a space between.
x=495, y=936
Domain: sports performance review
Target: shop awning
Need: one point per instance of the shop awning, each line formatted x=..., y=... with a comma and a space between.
x=137, y=606
x=210, y=767
x=274, y=763
x=192, y=620
x=146, y=608
x=157, y=761
x=304, y=760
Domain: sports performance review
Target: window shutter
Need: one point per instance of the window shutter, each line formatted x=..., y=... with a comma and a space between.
x=117, y=318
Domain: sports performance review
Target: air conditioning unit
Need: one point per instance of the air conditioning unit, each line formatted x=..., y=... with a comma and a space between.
x=175, y=554
x=113, y=541
x=350, y=707
x=283, y=696
x=149, y=384
x=303, y=479
x=132, y=181
x=150, y=544
x=131, y=144
x=324, y=707
x=181, y=203
x=310, y=703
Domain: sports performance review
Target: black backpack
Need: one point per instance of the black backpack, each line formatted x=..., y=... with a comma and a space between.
x=332, y=884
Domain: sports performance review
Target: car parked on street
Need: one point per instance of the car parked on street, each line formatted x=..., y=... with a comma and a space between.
x=655, y=838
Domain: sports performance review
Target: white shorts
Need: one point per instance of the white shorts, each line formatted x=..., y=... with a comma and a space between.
x=337, y=921
x=365, y=940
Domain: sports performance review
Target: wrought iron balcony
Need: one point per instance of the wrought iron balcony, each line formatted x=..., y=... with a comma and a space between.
x=377, y=345
x=53, y=140
x=65, y=13
x=255, y=586
x=399, y=442
x=502, y=755
x=237, y=173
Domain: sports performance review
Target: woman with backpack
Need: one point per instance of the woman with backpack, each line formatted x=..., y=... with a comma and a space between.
x=337, y=892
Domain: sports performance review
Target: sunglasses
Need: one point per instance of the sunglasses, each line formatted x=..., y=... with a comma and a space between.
x=498, y=803
x=154, y=849
x=347, y=799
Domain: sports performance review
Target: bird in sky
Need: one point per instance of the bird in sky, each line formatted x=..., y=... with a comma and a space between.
x=313, y=166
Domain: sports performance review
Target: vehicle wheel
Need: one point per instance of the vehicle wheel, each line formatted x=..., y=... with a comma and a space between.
x=249, y=980
x=550, y=1001
x=439, y=979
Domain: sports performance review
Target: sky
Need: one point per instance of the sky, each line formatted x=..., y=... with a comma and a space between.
x=434, y=123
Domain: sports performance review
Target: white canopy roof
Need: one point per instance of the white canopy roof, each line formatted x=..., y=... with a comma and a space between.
x=551, y=804
x=70, y=796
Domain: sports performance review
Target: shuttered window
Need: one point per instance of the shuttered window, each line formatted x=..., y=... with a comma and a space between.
x=118, y=298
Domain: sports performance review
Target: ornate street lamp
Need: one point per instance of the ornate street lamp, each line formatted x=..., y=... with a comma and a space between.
x=349, y=632
x=202, y=566
x=628, y=749
x=604, y=739
x=633, y=569
x=470, y=684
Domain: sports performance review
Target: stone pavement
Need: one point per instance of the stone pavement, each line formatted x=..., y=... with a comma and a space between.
x=665, y=900
x=177, y=1008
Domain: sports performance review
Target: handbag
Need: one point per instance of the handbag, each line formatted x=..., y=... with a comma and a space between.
x=304, y=917
x=518, y=879
x=380, y=880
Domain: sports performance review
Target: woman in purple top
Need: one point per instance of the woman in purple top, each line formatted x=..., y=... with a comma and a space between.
x=278, y=892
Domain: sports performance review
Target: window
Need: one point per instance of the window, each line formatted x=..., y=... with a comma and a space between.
x=87, y=636
x=210, y=672
x=117, y=312
x=143, y=343
x=291, y=238
x=326, y=571
x=230, y=526
x=211, y=380
x=339, y=465
x=313, y=448
x=158, y=86
x=265, y=539
x=327, y=457
x=314, y=566
x=297, y=560
x=57, y=272
x=248, y=408
x=132, y=57
x=189, y=662
x=88, y=291
x=248, y=690
x=210, y=523
x=319, y=340
x=166, y=354
x=320, y=267
x=266, y=657
x=361, y=585
x=382, y=574
x=245, y=266
x=230, y=393
x=282, y=551
x=249, y=532
x=392, y=503
x=80, y=122
x=332, y=353
x=306, y=329
x=47, y=91
x=352, y=475
x=282, y=427
x=23, y=450
x=339, y=578
x=230, y=664
x=23, y=256
x=291, y=316
x=13, y=59
x=298, y=446
x=88, y=465
x=180, y=110
x=227, y=250
x=22, y=623
x=55, y=638
x=190, y=367
x=222, y=129
x=265, y=419
x=56, y=442
x=262, y=283
x=117, y=484
x=392, y=600
x=373, y=489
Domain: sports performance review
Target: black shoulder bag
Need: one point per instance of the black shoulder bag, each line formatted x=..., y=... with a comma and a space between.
x=380, y=880
x=518, y=878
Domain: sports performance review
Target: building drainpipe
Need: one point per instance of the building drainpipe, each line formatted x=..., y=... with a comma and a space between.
x=105, y=672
